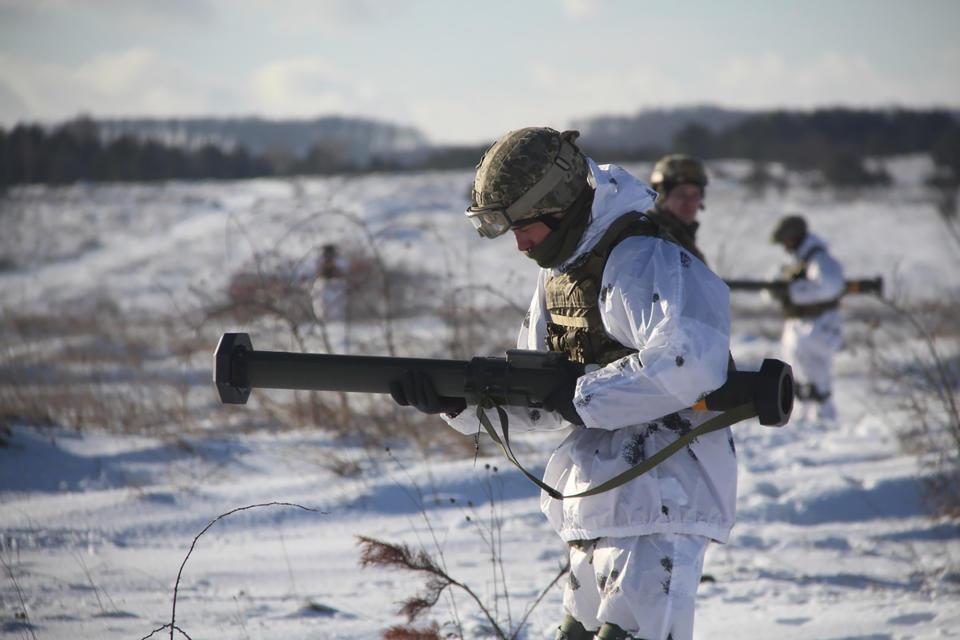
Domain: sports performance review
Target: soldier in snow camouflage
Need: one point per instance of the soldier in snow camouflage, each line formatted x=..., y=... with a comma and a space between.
x=810, y=299
x=650, y=321
x=681, y=181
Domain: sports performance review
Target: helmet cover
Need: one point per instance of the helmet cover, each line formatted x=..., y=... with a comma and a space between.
x=792, y=228
x=517, y=162
x=675, y=169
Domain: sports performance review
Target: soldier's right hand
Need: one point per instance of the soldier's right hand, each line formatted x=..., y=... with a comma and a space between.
x=780, y=291
x=561, y=397
x=414, y=389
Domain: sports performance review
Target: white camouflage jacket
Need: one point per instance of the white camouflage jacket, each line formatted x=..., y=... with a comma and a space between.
x=676, y=312
x=824, y=275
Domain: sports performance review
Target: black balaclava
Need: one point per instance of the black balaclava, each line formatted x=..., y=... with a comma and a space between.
x=560, y=243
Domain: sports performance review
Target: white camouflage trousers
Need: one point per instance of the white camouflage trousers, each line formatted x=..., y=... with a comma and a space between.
x=646, y=585
x=809, y=345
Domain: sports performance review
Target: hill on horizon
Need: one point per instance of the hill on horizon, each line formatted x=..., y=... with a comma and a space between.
x=358, y=140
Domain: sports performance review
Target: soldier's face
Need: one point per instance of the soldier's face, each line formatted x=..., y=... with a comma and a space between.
x=529, y=236
x=684, y=202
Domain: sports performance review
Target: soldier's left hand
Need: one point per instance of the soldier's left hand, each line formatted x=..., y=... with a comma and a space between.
x=414, y=389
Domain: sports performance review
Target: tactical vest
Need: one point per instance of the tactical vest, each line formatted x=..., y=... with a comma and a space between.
x=574, y=326
x=799, y=272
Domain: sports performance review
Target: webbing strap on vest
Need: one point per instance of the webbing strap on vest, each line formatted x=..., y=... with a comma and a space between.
x=612, y=236
x=569, y=321
x=725, y=419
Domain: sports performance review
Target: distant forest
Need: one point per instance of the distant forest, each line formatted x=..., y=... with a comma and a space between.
x=836, y=142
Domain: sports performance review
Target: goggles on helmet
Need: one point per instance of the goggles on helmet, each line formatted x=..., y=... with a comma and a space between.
x=495, y=220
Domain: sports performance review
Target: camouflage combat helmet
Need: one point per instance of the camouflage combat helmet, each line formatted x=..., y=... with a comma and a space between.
x=792, y=228
x=528, y=173
x=677, y=169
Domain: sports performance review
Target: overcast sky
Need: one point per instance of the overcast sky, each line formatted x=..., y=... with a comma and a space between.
x=465, y=72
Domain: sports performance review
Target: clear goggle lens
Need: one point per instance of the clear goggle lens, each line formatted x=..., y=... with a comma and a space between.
x=489, y=222
x=495, y=220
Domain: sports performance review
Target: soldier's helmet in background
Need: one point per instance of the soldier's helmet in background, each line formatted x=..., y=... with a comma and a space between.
x=790, y=228
x=675, y=169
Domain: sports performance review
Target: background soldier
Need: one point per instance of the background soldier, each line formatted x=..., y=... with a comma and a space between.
x=654, y=324
x=810, y=296
x=330, y=287
x=681, y=182
x=330, y=299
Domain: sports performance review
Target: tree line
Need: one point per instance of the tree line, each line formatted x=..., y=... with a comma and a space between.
x=75, y=152
x=834, y=141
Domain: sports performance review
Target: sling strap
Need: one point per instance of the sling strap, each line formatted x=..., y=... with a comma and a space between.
x=725, y=419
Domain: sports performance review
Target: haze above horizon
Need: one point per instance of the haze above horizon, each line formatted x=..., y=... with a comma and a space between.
x=465, y=72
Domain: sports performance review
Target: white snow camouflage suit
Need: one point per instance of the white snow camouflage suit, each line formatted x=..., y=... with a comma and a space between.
x=809, y=343
x=669, y=306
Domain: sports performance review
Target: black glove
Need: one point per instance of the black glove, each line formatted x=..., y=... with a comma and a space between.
x=780, y=291
x=561, y=398
x=414, y=389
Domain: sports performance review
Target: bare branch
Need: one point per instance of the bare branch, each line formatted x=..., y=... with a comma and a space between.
x=173, y=612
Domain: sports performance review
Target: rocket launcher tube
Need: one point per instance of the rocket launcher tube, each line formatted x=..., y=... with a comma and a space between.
x=522, y=378
x=863, y=285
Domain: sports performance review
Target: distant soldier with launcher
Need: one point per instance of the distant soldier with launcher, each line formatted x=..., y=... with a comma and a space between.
x=618, y=292
x=811, y=286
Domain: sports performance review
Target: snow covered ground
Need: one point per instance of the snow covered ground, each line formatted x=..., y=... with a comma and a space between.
x=98, y=512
